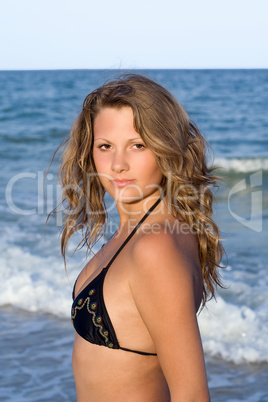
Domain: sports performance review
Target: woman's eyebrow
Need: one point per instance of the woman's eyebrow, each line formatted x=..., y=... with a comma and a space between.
x=101, y=139
x=130, y=140
x=135, y=139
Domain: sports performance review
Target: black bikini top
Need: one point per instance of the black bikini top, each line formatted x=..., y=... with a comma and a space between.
x=89, y=314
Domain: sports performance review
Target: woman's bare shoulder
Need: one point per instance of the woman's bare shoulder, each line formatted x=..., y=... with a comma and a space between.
x=171, y=237
x=170, y=254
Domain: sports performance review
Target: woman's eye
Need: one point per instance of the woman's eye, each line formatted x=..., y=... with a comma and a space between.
x=104, y=146
x=138, y=146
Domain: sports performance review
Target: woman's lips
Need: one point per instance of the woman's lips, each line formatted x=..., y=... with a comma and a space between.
x=122, y=182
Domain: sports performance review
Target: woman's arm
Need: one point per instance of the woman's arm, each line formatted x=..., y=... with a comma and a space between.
x=166, y=281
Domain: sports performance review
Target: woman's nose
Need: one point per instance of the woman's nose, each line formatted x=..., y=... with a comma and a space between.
x=119, y=162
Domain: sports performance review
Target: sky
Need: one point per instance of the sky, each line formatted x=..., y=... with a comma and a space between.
x=72, y=34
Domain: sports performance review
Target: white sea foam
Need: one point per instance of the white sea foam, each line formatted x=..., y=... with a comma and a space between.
x=33, y=283
x=242, y=165
x=36, y=283
x=235, y=333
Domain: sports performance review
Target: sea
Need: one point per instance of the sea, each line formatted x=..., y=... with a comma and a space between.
x=37, y=109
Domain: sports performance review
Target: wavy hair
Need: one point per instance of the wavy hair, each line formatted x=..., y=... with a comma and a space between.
x=180, y=153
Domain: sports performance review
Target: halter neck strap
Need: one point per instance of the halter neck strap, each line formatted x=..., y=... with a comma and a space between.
x=135, y=229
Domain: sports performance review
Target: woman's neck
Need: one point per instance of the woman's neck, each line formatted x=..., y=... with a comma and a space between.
x=132, y=213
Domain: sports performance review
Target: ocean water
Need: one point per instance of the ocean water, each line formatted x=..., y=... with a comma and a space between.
x=37, y=109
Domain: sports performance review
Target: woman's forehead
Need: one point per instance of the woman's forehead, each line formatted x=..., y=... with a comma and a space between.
x=111, y=120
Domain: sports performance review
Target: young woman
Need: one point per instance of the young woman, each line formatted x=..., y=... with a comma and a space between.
x=135, y=302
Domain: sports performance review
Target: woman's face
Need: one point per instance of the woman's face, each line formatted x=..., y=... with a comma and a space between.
x=126, y=167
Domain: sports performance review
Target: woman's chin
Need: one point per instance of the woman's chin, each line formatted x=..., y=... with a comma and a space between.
x=128, y=199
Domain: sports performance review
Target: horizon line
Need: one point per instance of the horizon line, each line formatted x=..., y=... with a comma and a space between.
x=132, y=68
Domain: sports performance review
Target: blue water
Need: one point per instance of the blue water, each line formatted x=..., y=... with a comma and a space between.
x=37, y=109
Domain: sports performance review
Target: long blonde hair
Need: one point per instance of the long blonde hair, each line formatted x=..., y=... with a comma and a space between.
x=180, y=153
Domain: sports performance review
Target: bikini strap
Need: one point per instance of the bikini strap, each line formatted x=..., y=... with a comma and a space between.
x=135, y=229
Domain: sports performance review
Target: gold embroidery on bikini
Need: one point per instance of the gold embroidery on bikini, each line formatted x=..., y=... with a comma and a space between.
x=86, y=302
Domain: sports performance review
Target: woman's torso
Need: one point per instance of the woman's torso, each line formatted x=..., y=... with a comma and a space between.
x=101, y=373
